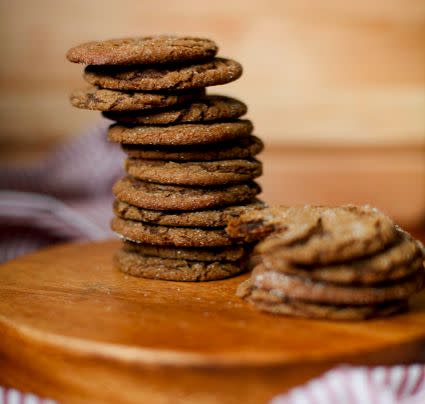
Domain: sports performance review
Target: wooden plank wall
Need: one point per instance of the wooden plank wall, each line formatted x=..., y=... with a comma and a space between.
x=315, y=71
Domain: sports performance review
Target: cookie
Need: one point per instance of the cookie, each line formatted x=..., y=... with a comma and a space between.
x=397, y=261
x=235, y=253
x=110, y=100
x=166, y=236
x=173, y=269
x=143, y=50
x=160, y=77
x=294, y=287
x=244, y=147
x=323, y=235
x=209, y=108
x=290, y=224
x=176, y=198
x=272, y=302
x=348, y=274
x=182, y=134
x=201, y=173
x=197, y=218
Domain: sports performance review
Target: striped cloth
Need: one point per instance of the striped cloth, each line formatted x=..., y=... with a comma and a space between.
x=68, y=196
x=362, y=385
x=12, y=396
x=342, y=385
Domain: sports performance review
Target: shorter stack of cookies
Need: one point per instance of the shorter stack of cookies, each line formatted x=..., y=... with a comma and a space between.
x=190, y=159
x=344, y=263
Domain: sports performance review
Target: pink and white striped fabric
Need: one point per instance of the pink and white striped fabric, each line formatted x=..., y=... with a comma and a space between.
x=68, y=196
x=12, y=396
x=342, y=385
x=362, y=385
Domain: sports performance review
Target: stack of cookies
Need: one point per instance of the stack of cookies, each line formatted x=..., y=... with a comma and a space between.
x=190, y=159
x=344, y=263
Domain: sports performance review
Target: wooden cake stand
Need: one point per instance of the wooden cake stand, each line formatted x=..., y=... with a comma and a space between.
x=75, y=329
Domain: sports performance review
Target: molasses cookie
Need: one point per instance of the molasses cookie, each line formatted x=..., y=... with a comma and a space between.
x=160, y=77
x=273, y=302
x=196, y=218
x=200, y=173
x=136, y=264
x=165, y=236
x=143, y=50
x=244, y=147
x=295, y=287
x=315, y=234
x=397, y=261
x=110, y=100
x=182, y=134
x=176, y=198
x=290, y=224
x=234, y=253
x=209, y=108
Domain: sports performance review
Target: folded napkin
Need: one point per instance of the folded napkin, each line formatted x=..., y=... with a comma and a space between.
x=66, y=196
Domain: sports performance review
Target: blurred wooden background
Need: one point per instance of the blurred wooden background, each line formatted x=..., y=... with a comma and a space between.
x=343, y=75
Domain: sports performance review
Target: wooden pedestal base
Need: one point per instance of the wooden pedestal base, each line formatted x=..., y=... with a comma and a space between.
x=75, y=329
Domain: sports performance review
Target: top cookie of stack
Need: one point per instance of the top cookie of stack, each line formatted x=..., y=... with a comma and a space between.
x=190, y=160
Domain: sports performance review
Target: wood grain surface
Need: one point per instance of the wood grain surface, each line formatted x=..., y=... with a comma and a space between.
x=390, y=178
x=339, y=71
x=74, y=328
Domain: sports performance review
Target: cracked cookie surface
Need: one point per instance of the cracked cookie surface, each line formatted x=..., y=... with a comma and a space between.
x=198, y=218
x=101, y=99
x=155, y=78
x=244, y=147
x=143, y=50
x=206, y=109
x=169, y=236
x=234, y=253
x=176, y=198
x=294, y=287
x=316, y=234
x=174, y=270
x=400, y=259
x=181, y=134
x=206, y=173
x=271, y=301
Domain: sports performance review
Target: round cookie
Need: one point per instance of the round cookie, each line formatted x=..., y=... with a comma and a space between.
x=200, y=173
x=289, y=224
x=165, y=236
x=294, y=287
x=271, y=302
x=197, y=218
x=143, y=50
x=344, y=233
x=323, y=235
x=209, y=108
x=347, y=274
x=395, y=262
x=174, y=270
x=235, y=253
x=182, y=134
x=244, y=147
x=110, y=100
x=175, y=198
x=156, y=78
